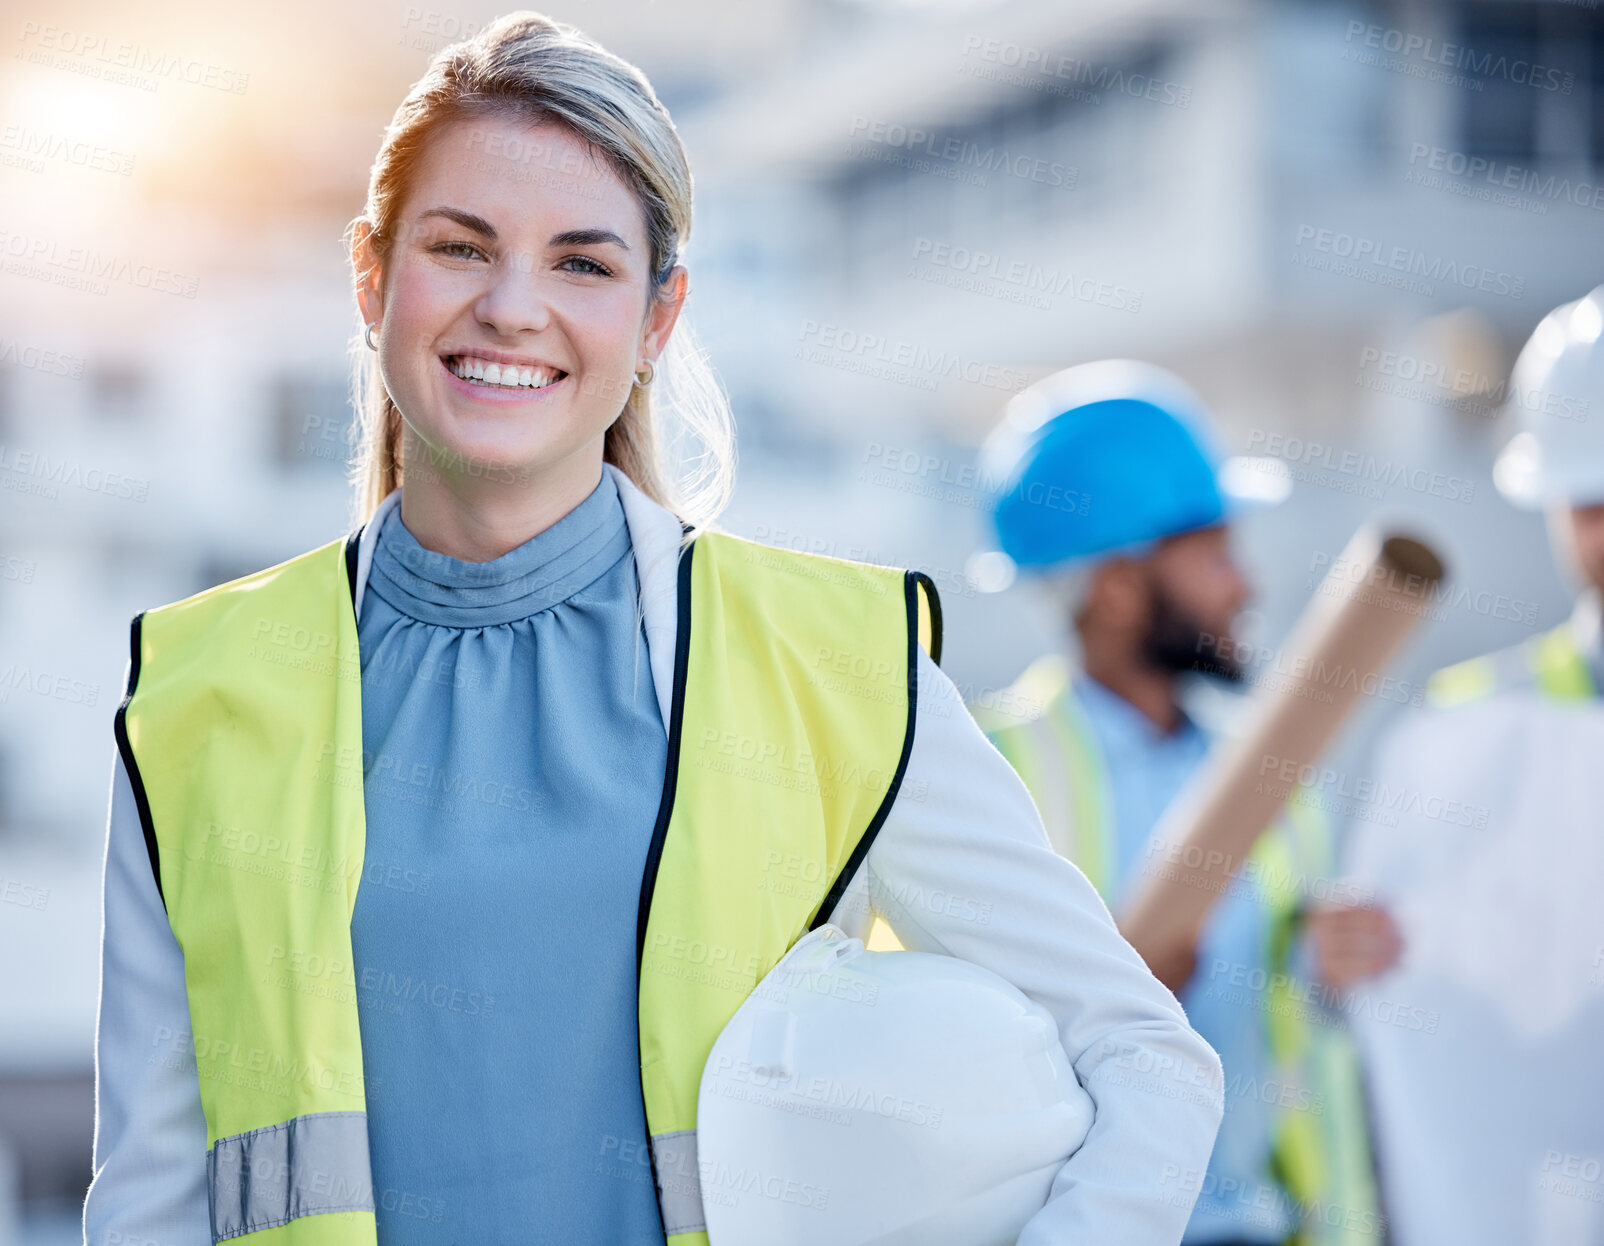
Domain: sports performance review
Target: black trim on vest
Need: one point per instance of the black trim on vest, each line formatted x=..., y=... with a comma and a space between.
x=665, y=808
x=351, y=544
x=910, y=590
x=126, y=750
x=676, y=717
x=935, y=614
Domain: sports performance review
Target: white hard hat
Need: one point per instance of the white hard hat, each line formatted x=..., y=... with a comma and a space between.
x=1556, y=394
x=896, y=1098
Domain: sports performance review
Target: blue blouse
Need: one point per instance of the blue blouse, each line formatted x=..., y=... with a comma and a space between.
x=513, y=761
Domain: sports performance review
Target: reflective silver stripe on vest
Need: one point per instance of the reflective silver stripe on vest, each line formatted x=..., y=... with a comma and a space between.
x=307, y=1166
x=680, y=1182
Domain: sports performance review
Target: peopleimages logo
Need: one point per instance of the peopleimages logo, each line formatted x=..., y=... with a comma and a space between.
x=1015, y=280
x=920, y=145
x=1253, y=1201
x=98, y=56
x=1489, y=176
x=1406, y=593
x=1405, y=267
x=1321, y=781
x=1310, y=678
x=1041, y=69
x=893, y=359
x=1419, y=51
x=1431, y=381
x=1352, y=471
x=25, y=147
x=27, y=255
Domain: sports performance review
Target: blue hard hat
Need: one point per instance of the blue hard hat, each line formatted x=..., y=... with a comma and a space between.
x=1110, y=457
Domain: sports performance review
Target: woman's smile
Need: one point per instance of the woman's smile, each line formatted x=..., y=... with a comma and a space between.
x=485, y=379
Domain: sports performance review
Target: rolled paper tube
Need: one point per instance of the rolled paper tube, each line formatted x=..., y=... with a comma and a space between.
x=1365, y=608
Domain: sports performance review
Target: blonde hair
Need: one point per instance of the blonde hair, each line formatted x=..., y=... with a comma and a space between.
x=527, y=66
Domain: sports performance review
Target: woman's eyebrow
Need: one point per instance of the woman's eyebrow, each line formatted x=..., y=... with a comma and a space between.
x=586, y=238
x=567, y=238
x=466, y=219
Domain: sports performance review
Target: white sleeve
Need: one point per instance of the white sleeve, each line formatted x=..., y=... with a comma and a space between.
x=962, y=867
x=149, y=1181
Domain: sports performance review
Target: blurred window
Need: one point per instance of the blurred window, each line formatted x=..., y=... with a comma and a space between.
x=1536, y=82
x=1068, y=136
x=1594, y=95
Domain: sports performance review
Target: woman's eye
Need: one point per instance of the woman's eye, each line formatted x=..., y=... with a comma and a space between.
x=590, y=266
x=456, y=250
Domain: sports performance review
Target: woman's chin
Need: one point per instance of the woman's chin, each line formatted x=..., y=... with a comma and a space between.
x=493, y=459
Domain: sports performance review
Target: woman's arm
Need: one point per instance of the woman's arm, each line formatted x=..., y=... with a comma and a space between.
x=149, y=1182
x=963, y=867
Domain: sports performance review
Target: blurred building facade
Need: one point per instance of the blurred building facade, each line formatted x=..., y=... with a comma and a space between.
x=1340, y=244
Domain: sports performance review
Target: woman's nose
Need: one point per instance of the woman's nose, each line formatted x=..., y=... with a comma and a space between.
x=517, y=299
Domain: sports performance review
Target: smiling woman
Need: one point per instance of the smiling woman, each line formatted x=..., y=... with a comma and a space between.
x=441, y=856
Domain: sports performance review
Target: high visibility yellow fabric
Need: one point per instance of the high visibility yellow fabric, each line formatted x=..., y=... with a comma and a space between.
x=1322, y=1153
x=1550, y=662
x=794, y=724
x=1042, y=731
x=1461, y=683
x=1322, y=1158
x=246, y=707
x=242, y=734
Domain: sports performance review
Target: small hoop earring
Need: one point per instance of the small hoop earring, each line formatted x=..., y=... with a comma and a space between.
x=368, y=334
x=651, y=375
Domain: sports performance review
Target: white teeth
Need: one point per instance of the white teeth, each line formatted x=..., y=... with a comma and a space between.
x=508, y=377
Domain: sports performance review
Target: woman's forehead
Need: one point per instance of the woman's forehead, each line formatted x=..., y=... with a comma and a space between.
x=516, y=174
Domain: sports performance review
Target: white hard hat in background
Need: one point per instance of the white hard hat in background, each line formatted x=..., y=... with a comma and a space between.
x=1556, y=396
x=895, y=1098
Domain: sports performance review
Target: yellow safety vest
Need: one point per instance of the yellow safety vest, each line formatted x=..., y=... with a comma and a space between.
x=791, y=724
x=1549, y=662
x=1321, y=1152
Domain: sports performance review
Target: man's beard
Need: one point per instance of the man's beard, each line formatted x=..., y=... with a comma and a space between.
x=1177, y=642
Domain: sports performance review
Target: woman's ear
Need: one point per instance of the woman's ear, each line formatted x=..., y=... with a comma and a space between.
x=365, y=264
x=664, y=311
